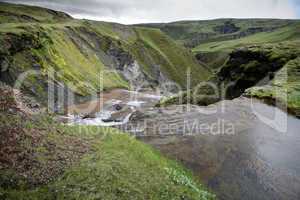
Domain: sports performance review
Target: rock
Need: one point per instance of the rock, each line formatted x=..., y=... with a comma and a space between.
x=4, y=66
x=109, y=120
x=137, y=115
x=118, y=107
x=89, y=116
x=120, y=116
x=36, y=66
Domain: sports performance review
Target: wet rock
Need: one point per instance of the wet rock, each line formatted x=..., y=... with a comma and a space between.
x=3, y=65
x=120, y=116
x=89, y=116
x=137, y=115
x=110, y=120
x=36, y=66
x=118, y=107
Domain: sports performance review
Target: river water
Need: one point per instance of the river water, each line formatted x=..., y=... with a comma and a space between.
x=240, y=149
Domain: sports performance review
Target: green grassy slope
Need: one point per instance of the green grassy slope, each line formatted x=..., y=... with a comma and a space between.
x=172, y=57
x=213, y=40
x=18, y=13
x=194, y=33
x=52, y=47
x=79, y=50
x=41, y=159
x=280, y=35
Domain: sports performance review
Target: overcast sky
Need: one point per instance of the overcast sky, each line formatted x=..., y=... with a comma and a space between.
x=142, y=11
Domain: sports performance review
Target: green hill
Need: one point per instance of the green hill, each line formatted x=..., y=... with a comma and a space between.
x=288, y=33
x=81, y=50
x=212, y=40
x=243, y=52
x=194, y=33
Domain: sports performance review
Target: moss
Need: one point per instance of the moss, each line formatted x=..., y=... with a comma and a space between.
x=175, y=59
x=82, y=71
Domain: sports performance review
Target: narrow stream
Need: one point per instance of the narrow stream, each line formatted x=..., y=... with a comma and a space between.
x=114, y=109
x=240, y=149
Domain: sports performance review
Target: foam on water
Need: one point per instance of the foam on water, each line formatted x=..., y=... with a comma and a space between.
x=98, y=121
x=136, y=103
x=102, y=118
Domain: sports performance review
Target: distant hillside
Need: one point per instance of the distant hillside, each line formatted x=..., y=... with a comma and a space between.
x=194, y=33
x=286, y=33
x=212, y=40
x=38, y=38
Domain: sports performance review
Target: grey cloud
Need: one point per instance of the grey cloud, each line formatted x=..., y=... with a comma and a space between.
x=139, y=11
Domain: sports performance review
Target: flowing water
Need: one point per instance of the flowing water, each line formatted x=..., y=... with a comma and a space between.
x=113, y=108
x=240, y=149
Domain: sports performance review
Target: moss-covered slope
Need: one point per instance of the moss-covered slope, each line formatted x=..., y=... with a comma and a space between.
x=33, y=38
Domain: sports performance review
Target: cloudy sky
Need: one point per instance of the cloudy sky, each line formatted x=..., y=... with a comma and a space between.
x=142, y=11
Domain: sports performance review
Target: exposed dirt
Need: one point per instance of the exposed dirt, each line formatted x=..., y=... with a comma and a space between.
x=32, y=147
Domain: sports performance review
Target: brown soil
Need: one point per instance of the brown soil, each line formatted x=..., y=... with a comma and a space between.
x=33, y=147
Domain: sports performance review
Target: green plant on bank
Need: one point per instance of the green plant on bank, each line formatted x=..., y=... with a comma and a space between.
x=180, y=178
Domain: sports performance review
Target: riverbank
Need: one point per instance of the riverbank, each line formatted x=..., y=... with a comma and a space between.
x=231, y=145
x=241, y=148
x=43, y=159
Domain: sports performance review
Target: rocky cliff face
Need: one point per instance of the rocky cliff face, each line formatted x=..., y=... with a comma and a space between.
x=269, y=72
x=251, y=66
